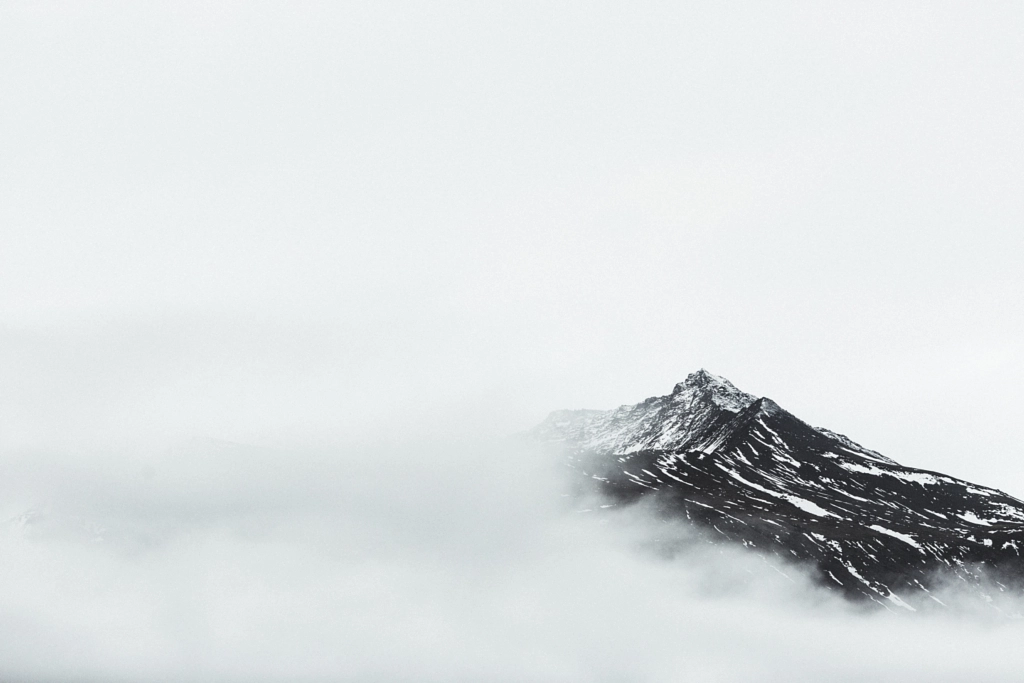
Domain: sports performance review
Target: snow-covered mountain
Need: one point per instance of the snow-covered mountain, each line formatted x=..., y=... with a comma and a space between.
x=744, y=469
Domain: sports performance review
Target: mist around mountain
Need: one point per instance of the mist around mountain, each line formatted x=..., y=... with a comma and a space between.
x=431, y=561
x=135, y=548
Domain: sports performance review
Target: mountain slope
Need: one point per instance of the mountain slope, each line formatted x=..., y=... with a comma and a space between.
x=749, y=471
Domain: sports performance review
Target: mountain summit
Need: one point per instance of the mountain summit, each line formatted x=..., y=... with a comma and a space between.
x=745, y=470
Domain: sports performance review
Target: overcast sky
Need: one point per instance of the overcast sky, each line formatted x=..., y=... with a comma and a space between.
x=279, y=213
x=245, y=220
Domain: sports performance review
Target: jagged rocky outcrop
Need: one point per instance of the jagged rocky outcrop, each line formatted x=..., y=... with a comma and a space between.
x=744, y=469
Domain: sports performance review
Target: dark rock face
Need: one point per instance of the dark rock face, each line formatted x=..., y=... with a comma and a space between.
x=747, y=471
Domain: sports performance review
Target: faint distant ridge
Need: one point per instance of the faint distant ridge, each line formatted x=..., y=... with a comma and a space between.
x=747, y=471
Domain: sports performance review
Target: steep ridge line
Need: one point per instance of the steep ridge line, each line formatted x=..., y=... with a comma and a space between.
x=752, y=473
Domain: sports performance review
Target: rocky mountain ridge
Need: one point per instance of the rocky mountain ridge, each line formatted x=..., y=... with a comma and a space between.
x=746, y=471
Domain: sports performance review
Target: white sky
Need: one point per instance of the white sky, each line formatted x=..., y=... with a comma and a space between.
x=262, y=220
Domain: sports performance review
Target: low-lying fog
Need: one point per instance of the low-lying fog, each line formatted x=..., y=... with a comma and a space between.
x=415, y=558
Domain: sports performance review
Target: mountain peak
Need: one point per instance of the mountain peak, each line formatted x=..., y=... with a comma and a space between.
x=749, y=472
x=718, y=389
x=768, y=407
x=702, y=378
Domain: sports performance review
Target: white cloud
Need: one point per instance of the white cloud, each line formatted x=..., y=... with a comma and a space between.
x=226, y=562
